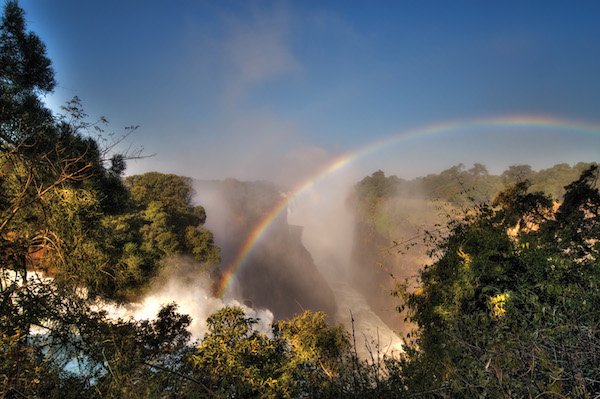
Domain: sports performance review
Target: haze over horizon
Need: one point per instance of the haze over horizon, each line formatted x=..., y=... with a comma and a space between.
x=279, y=90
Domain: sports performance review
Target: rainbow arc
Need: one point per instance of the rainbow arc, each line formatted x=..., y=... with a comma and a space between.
x=509, y=122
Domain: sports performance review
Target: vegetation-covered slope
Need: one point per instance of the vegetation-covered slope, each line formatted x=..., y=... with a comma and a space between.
x=394, y=218
x=512, y=313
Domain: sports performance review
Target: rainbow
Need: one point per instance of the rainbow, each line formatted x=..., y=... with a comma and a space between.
x=514, y=121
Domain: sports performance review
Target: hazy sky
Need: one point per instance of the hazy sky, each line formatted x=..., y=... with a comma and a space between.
x=276, y=89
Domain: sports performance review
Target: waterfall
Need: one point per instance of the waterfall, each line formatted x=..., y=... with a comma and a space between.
x=328, y=230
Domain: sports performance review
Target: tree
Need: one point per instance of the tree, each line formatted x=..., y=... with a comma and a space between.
x=508, y=313
x=302, y=357
x=554, y=179
x=171, y=224
x=378, y=186
x=320, y=353
x=25, y=72
x=23, y=61
x=516, y=173
x=70, y=239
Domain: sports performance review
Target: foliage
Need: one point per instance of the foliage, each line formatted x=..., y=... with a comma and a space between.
x=378, y=186
x=508, y=308
x=63, y=346
x=300, y=357
x=463, y=187
x=394, y=217
x=511, y=313
x=72, y=237
x=25, y=66
x=161, y=222
x=25, y=71
x=174, y=224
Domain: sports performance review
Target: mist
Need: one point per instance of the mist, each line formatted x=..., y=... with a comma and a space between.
x=303, y=261
x=328, y=221
x=180, y=283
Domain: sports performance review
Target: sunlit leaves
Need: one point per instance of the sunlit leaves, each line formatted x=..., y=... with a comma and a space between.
x=503, y=311
x=301, y=357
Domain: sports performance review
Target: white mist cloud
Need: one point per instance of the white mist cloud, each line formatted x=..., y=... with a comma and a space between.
x=328, y=234
x=302, y=162
x=190, y=290
x=328, y=222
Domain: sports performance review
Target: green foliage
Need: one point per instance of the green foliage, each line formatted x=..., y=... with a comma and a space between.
x=392, y=225
x=126, y=355
x=236, y=361
x=302, y=357
x=507, y=312
x=318, y=352
x=29, y=372
x=314, y=341
x=65, y=211
x=553, y=180
x=465, y=187
x=517, y=174
x=173, y=225
x=23, y=60
x=378, y=186
x=74, y=350
x=173, y=191
x=25, y=71
x=68, y=233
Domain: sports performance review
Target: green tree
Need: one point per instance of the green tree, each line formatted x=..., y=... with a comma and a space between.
x=517, y=174
x=25, y=72
x=171, y=224
x=302, y=357
x=173, y=191
x=23, y=62
x=506, y=308
x=553, y=180
x=65, y=211
x=236, y=361
x=378, y=186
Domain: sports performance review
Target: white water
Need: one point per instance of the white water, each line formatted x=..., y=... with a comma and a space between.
x=191, y=293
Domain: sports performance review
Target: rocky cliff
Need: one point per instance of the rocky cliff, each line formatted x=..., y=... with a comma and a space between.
x=279, y=273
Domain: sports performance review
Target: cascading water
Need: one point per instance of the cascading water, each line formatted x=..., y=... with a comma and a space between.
x=328, y=228
x=180, y=283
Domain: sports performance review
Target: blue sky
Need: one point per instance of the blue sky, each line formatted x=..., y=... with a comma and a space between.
x=276, y=90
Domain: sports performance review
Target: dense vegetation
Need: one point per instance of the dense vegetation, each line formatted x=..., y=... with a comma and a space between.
x=74, y=234
x=460, y=186
x=394, y=217
x=509, y=306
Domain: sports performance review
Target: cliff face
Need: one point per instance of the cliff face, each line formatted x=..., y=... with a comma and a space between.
x=279, y=273
x=388, y=248
x=282, y=276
